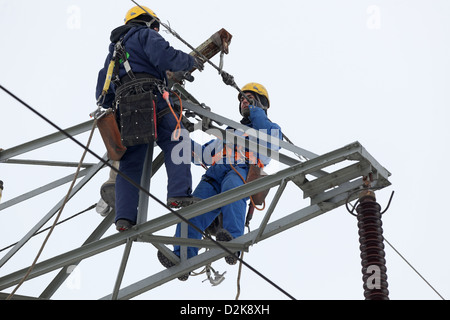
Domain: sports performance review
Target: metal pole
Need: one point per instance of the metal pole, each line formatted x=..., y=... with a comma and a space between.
x=123, y=264
x=145, y=183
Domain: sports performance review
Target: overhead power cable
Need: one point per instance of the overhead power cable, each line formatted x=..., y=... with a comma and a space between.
x=411, y=266
x=143, y=189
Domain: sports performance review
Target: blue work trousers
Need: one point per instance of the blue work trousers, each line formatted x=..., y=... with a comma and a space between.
x=219, y=178
x=179, y=182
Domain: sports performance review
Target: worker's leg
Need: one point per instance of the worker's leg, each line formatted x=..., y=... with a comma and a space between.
x=234, y=213
x=127, y=195
x=205, y=189
x=177, y=163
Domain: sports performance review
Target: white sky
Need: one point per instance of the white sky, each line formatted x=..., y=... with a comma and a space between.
x=374, y=71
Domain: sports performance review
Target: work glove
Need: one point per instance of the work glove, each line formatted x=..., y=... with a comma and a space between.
x=198, y=64
x=245, y=112
x=182, y=75
x=253, y=103
x=256, y=103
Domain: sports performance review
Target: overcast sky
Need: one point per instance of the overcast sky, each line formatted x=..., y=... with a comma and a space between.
x=376, y=72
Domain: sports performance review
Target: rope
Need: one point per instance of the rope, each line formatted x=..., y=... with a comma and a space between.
x=57, y=216
x=239, y=278
x=245, y=182
x=177, y=130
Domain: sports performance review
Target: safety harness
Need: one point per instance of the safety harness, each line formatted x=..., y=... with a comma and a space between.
x=135, y=99
x=239, y=155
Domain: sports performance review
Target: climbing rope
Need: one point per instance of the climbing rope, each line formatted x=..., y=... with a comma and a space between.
x=238, y=293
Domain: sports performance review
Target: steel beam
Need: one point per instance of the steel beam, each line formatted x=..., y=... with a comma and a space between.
x=188, y=242
x=269, y=212
x=123, y=264
x=47, y=163
x=220, y=119
x=145, y=183
x=42, y=189
x=44, y=141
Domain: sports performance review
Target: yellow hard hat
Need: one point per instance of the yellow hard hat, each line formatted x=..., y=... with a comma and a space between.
x=137, y=11
x=257, y=88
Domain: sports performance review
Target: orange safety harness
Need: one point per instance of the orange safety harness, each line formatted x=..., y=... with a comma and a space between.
x=239, y=155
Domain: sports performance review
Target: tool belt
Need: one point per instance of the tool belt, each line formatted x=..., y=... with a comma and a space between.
x=136, y=105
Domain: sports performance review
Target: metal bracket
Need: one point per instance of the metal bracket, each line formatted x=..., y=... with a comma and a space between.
x=217, y=279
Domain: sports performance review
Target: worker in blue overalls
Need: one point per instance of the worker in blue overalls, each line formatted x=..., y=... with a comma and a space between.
x=149, y=56
x=228, y=169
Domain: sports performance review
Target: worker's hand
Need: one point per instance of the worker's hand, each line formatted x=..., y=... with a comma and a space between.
x=182, y=75
x=198, y=64
x=256, y=103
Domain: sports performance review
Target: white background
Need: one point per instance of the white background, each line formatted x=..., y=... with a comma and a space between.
x=375, y=71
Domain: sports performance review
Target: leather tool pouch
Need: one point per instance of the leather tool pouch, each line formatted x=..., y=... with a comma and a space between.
x=255, y=172
x=107, y=125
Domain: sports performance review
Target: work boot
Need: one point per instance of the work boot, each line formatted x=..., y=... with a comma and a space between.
x=108, y=194
x=102, y=208
x=123, y=225
x=181, y=202
x=168, y=264
x=225, y=236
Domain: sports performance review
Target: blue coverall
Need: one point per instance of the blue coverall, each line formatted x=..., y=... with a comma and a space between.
x=148, y=53
x=220, y=178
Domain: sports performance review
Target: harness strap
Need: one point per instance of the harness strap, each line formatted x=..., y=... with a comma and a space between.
x=249, y=157
x=145, y=81
x=166, y=111
x=121, y=57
